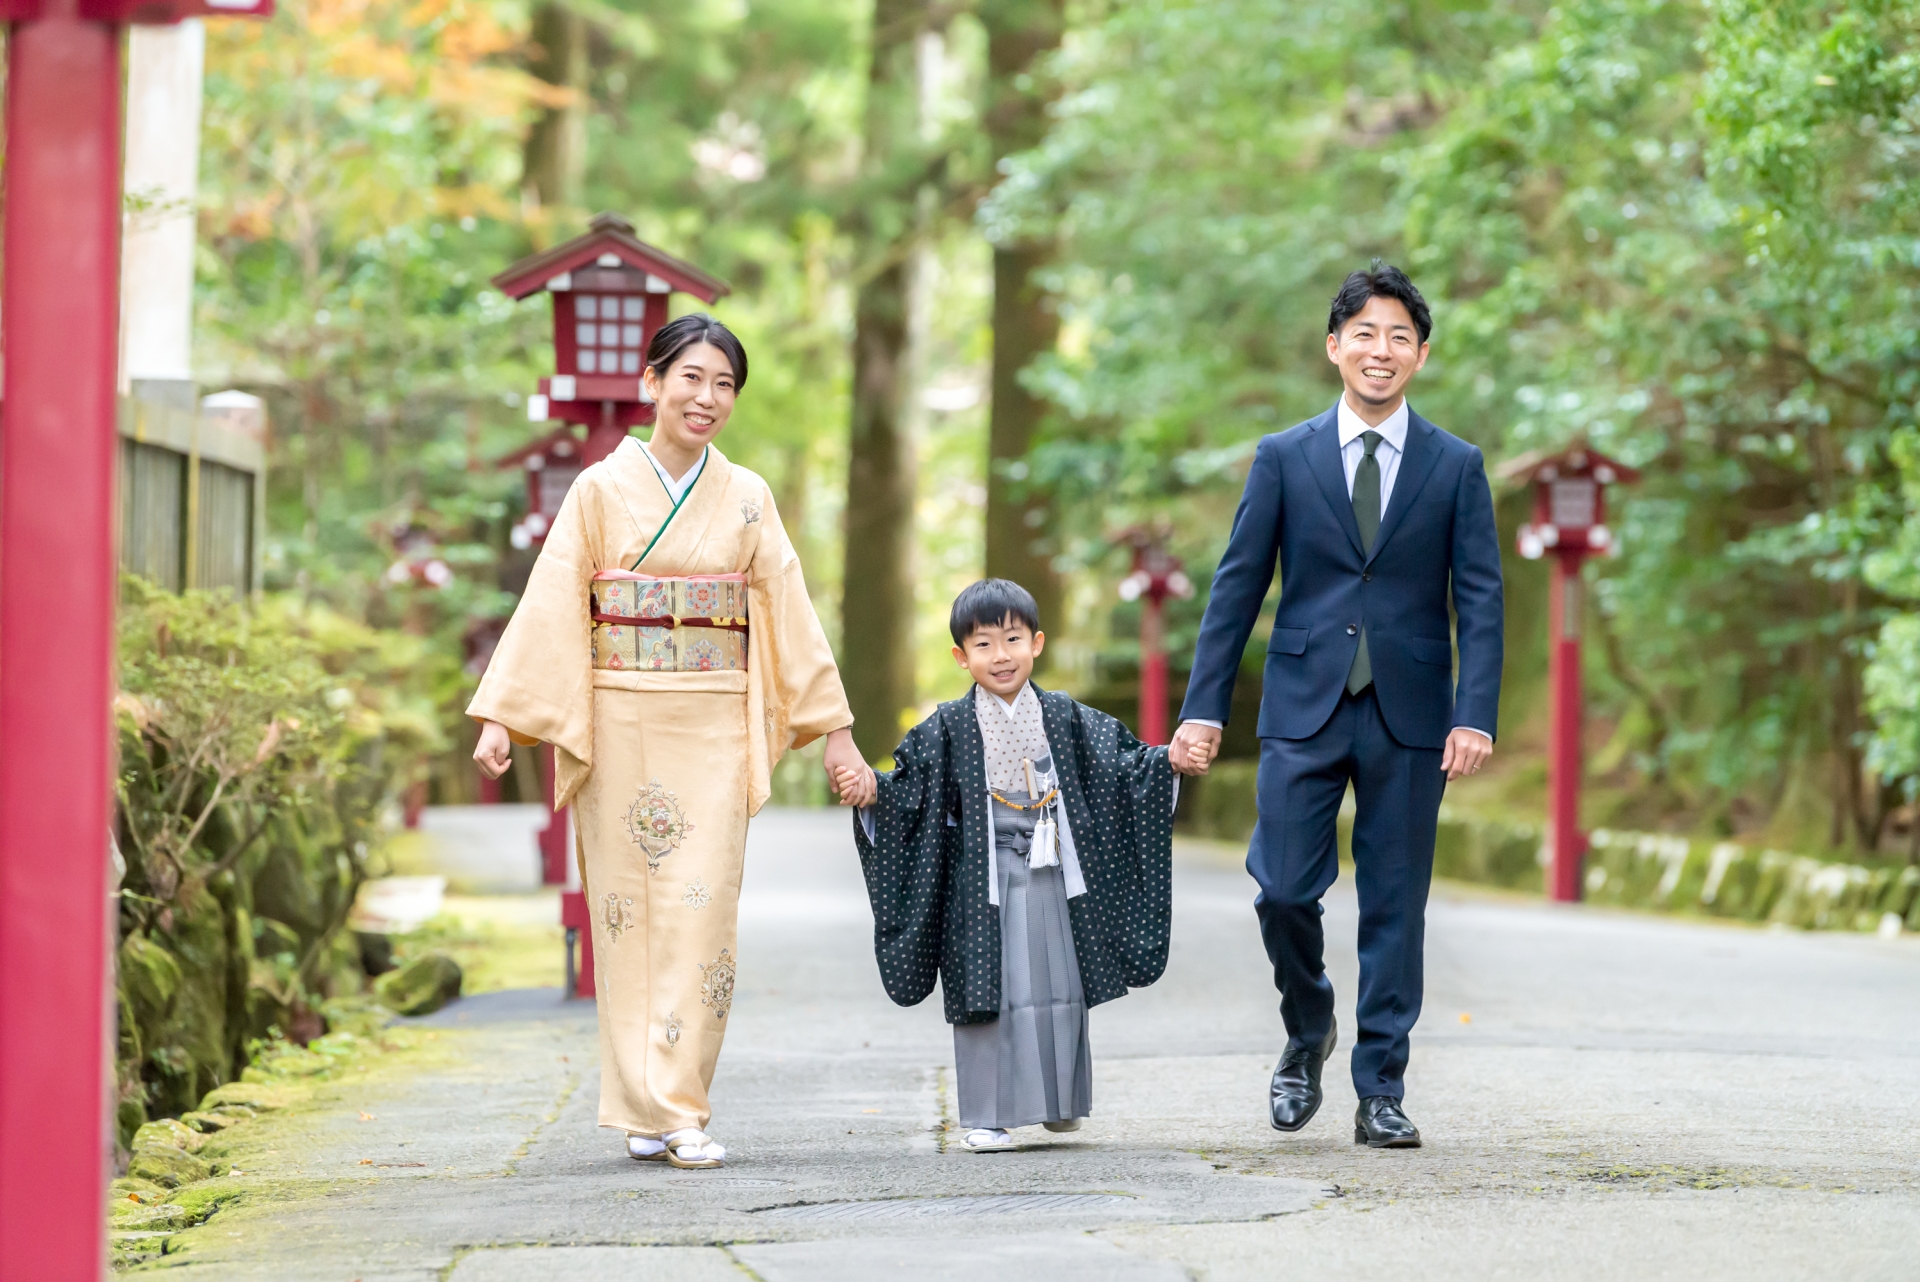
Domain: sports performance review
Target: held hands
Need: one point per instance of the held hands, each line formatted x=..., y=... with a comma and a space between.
x=851, y=778
x=1193, y=748
x=1466, y=751
x=495, y=753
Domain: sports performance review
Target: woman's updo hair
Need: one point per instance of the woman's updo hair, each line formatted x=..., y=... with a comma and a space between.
x=671, y=341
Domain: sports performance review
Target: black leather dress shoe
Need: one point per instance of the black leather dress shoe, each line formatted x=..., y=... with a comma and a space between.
x=1295, y=1096
x=1379, y=1123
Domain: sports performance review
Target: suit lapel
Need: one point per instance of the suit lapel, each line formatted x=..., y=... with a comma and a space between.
x=1323, y=458
x=1416, y=464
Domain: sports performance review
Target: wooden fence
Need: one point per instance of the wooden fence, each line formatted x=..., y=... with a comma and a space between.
x=192, y=492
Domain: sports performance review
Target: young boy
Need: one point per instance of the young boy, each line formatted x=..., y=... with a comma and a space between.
x=1020, y=850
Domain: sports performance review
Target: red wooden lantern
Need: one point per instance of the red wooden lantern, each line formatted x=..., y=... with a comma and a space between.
x=1570, y=523
x=551, y=464
x=610, y=292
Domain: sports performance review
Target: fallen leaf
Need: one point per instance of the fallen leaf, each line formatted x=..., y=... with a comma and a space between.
x=1465, y=1018
x=368, y=1117
x=869, y=1110
x=366, y=1161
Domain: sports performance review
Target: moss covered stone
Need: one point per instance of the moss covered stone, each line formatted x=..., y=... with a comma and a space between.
x=168, y=1133
x=168, y=1167
x=422, y=986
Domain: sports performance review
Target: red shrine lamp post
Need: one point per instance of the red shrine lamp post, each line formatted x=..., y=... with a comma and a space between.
x=1569, y=524
x=58, y=445
x=610, y=292
x=1157, y=575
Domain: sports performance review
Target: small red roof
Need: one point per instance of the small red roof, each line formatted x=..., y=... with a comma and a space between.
x=609, y=234
x=1578, y=459
x=542, y=445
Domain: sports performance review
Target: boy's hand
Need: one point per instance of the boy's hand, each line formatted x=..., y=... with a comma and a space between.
x=851, y=777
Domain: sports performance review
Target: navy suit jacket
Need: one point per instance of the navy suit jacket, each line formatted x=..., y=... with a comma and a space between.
x=1437, y=541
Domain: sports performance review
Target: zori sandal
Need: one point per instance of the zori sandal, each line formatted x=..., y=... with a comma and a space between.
x=694, y=1150
x=988, y=1140
x=1064, y=1126
x=645, y=1148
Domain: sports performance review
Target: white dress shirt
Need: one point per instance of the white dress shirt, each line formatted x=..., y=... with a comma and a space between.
x=1393, y=443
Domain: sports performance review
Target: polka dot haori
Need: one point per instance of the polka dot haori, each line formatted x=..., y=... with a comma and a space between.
x=927, y=858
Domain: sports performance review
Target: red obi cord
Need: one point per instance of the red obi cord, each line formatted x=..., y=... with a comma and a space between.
x=668, y=621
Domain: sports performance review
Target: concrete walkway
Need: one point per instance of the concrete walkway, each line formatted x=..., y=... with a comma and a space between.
x=1603, y=1096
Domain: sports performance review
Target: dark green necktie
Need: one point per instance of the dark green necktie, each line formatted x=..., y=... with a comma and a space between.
x=1366, y=514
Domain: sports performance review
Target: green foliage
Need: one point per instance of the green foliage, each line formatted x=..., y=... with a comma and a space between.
x=258, y=750
x=1683, y=232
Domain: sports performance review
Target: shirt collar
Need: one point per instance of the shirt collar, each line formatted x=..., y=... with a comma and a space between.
x=1009, y=709
x=1393, y=431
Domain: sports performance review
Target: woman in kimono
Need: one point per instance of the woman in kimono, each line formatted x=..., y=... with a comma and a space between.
x=665, y=646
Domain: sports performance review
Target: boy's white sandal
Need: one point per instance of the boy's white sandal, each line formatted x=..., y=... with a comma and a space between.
x=694, y=1150
x=644, y=1148
x=986, y=1140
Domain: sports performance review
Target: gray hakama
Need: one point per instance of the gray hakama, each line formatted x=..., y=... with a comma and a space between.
x=1032, y=1064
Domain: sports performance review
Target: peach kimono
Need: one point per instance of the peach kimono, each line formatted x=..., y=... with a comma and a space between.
x=665, y=734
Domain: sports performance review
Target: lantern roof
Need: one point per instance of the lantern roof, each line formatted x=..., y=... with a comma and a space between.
x=608, y=235
x=544, y=445
x=1577, y=459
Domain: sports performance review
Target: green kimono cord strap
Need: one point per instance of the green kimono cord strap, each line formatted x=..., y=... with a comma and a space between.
x=676, y=503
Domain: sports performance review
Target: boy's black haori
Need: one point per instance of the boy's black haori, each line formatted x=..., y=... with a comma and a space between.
x=926, y=864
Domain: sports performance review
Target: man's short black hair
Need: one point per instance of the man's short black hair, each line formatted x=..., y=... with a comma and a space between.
x=992, y=603
x=1380, y=280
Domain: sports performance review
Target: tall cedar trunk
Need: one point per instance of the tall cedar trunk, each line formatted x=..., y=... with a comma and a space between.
x=876, y=610
x=1025, y=324
x=556, y=158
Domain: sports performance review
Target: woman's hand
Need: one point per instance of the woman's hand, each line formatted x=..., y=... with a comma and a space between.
x=495, y=752
x=849, y=775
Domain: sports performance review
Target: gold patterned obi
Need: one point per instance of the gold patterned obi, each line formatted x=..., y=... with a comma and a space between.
x=647, y=624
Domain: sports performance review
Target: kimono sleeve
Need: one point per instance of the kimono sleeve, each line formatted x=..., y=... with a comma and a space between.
x=539, y=683
x=1138, y=846
x=905, y=866
x=804, y=696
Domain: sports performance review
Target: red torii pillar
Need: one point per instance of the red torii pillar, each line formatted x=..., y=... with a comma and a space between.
x=58, y=447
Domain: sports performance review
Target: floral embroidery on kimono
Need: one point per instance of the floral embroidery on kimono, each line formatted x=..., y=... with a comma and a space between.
x=619, y=917
x=698, y=896
x=716, y=984
x=657, y=823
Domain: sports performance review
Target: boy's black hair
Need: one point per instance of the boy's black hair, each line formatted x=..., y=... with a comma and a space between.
x=1380, y=280
x=671, y=341
x=989, y=604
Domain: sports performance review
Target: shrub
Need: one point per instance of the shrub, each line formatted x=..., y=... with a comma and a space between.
x=261, y=745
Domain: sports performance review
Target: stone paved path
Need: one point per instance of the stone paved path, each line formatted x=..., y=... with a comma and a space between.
x=1603, y=1095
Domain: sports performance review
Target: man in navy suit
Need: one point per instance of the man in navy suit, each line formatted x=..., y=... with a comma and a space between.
x=1378, y=520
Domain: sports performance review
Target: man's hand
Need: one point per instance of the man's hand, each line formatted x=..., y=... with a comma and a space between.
x=1193, y=748
x=1467, y=750
x=495, y=752
x=848, y=773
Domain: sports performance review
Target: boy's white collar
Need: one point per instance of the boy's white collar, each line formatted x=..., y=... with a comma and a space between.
x=1009, y=707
